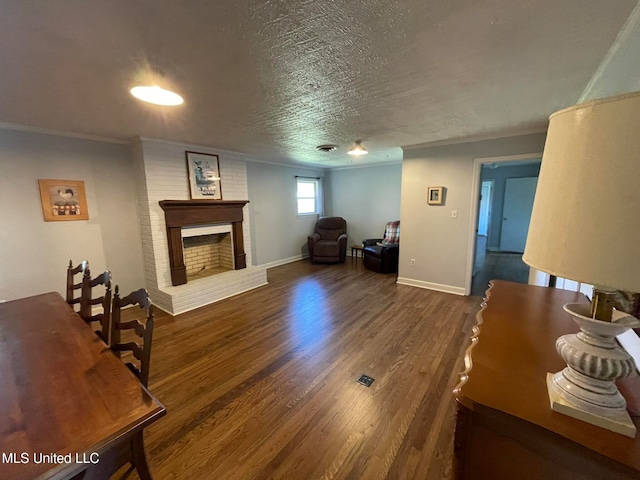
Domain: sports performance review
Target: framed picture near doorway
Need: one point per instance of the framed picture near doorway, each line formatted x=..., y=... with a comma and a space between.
x=435, y=195
x=203, y=170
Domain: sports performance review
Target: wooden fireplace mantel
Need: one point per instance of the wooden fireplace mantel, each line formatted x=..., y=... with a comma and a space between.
x=184, y=213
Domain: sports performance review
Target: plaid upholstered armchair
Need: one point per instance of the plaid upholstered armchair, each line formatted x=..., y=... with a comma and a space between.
x=381, y=254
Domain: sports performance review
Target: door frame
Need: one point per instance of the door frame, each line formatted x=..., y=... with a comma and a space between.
x=475, y=203
x=490, y=202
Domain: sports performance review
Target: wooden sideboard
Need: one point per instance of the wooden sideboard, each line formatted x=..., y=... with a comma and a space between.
x=505, y=427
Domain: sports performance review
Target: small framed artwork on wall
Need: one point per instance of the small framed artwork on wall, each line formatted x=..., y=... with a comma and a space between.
x=435, y=195
x=203, y=170
x=63, y=200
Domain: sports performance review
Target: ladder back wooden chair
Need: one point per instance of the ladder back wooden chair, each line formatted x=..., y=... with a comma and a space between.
x=143, y=331
x=133, y=451
x=72, y=286
x=88, y=301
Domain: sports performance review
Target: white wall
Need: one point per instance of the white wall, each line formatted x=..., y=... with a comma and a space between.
x=366, y=197
x=280, y=235
x=437, y=242
x=34, y=254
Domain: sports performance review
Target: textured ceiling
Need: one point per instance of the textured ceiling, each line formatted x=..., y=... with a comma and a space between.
x=273, y=79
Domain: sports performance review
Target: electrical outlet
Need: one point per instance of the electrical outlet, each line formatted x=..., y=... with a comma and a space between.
x=413, y=262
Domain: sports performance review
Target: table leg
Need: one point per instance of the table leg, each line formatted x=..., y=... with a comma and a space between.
x=130, y=451
x=139, y=457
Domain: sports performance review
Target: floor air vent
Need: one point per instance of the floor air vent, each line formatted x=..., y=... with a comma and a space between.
x=365, y=380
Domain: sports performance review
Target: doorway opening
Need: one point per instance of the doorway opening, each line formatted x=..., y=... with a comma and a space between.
x=484, y=220
x=504, y=192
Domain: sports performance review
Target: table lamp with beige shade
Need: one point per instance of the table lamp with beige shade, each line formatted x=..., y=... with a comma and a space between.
x=585, y=226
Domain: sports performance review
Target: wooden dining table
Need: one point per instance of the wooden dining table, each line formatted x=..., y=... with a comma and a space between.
x=66, y=401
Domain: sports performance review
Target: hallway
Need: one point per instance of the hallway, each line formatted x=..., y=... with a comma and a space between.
x=496, y=266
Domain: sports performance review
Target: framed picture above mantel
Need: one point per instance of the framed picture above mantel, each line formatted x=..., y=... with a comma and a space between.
x=203, y=170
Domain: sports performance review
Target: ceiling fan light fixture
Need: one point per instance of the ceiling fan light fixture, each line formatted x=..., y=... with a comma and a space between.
x=156, y=95
x=358, y=149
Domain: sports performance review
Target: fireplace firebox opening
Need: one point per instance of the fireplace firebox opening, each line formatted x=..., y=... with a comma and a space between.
x=206, y=255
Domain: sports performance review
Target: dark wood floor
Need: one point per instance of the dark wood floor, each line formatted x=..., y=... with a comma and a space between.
x=263, y=385
x=498, y=266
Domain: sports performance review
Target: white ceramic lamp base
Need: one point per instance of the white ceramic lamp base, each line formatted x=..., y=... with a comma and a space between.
x=586, y=389
x=617, y=421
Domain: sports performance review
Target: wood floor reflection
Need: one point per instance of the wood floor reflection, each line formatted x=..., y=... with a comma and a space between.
x=263, y=385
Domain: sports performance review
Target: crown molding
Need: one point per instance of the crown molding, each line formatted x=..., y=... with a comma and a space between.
x=478, y=138
x=369, y=165
x=243, y=156
x=63, y=133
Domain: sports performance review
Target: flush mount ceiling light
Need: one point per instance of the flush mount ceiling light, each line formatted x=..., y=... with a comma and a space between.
x=357, y=149
x=156, y=95
x=327, y=148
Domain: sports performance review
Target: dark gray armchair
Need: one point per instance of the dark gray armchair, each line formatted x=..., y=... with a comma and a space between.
x=328, y=244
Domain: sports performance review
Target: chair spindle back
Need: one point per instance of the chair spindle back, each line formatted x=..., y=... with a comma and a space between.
x=72, y=286
x=88, y=301
x=142, y=353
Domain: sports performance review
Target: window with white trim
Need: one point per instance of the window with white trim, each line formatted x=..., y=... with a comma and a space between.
x=308, y=195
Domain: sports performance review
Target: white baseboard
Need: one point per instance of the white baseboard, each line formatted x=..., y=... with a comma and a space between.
x=284, y=261
x=431, y=286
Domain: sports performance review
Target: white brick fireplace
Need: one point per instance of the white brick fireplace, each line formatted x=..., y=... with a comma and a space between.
x=163, y=174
